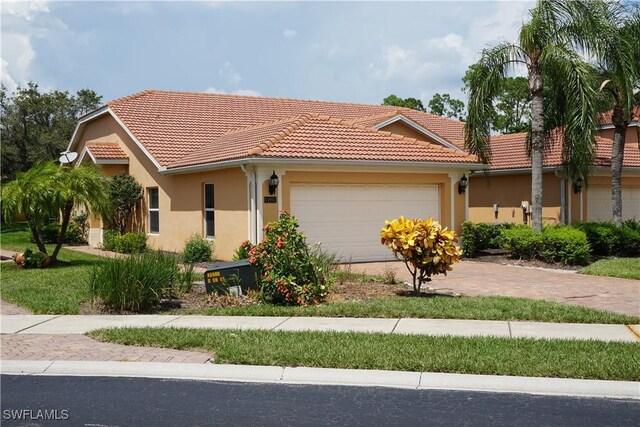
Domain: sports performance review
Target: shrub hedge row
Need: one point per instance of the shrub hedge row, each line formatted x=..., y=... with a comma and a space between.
x=564, y=244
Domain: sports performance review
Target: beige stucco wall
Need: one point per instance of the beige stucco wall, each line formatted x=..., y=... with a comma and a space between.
x=181, y=196
x=401, y=128
x=440, y=179
x=508, y=191
x=630, y=138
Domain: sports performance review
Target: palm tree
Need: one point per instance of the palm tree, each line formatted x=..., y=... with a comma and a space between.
x=547, y=47
x=31, y=194
x=619, y=71
x=47, y=188
x=84, y=186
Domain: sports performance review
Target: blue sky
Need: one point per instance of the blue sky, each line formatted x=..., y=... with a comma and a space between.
x=341, y=51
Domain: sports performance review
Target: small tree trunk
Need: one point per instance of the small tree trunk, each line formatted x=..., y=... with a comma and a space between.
x=617, y=157
x=37, y=234
x=66, y=217
x=537, y=146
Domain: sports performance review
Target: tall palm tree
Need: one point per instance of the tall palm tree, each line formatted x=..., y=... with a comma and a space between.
x=47, y=188
x=548, y=47
x=619, y=71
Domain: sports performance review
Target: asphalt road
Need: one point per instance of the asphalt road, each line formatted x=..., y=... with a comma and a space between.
x=99, y=401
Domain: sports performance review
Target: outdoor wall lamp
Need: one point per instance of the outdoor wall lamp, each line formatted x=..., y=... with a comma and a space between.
x=273, y=183
x=462, y=184
x=577, y=185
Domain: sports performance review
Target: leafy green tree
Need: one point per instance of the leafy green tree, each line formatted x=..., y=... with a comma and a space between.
x=444, y=105
x=512, y=104
x=124, y=193
x=38, y=125
x=413, y=103
x=619, y=71
x=47, y=187
x=546, y=48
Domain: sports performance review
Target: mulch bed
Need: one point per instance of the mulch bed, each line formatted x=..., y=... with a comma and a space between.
x=500, y=256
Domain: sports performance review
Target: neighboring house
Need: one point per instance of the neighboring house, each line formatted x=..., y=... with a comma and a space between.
x=497, y=194
x=206, y=161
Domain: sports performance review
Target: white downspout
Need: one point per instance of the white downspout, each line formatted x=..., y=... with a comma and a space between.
x=253, y=218
x=563, y=198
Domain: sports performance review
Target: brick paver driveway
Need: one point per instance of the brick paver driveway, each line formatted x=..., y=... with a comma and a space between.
x=480, y=278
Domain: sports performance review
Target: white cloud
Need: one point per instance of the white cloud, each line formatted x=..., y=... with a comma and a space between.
x=24, y=9
x=228, y=72
x=289, y=33
x=244, y=92
x=21, y=23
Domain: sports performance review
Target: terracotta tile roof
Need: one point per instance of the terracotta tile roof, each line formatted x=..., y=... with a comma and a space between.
x=100, y=150
x=605, y=118
x=321, y=137
x=509, y=152
x=171, y=125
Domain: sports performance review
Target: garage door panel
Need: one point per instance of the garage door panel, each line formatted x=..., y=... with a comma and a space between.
x=599, y=203
x=347, y=218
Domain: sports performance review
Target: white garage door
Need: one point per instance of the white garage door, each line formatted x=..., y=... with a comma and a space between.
x=599, y=203
x=347, y=219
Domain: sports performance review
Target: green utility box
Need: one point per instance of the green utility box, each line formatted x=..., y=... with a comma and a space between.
x=234, y=277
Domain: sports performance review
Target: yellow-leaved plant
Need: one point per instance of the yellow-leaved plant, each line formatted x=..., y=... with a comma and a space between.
x=425, y=247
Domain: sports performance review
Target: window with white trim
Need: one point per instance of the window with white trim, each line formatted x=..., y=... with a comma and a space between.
x=154, y=210
x=209, y=212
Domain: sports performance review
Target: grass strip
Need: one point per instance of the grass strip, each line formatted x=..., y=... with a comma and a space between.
x=625, y=268
x=56, y=290
x=490, y=356
x=437, y=307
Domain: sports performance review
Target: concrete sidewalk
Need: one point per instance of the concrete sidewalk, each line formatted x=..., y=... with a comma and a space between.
x=80, y=324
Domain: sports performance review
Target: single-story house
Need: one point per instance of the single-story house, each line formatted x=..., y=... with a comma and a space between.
x=222, y=166
x=502, y=193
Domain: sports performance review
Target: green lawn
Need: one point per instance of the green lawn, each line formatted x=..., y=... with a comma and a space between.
x=441, y=307
x=489, y=356
x=626, y=268
x=61, y=290
x=56, y=290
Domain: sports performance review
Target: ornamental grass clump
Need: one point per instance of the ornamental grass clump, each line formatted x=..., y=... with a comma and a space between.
x=135, y=283
x=425, y=247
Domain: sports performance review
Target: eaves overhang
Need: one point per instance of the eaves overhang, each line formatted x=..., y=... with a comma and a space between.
x=318, y=162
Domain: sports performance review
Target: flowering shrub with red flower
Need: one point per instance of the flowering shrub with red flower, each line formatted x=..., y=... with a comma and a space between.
x=284, y=267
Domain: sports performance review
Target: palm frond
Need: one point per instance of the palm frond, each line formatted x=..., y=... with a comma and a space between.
x=575, y=102
x=484, y=86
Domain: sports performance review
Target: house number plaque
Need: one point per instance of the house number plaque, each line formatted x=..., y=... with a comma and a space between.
x=270, y=199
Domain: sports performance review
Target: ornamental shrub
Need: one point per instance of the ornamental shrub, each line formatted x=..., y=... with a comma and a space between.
x=131, y=243
x=128, y=243
x=197, y=249
x=125, y=193
x=424, y=246
x=564, y=244
x=50, y=232
x=242, y=252
x=477, y=237
x=109, y=240
x=522, y=242
x=35, y=259
x=285, y=269
x=607, y=239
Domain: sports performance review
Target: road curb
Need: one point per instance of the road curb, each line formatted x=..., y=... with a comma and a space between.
x=321, y=376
